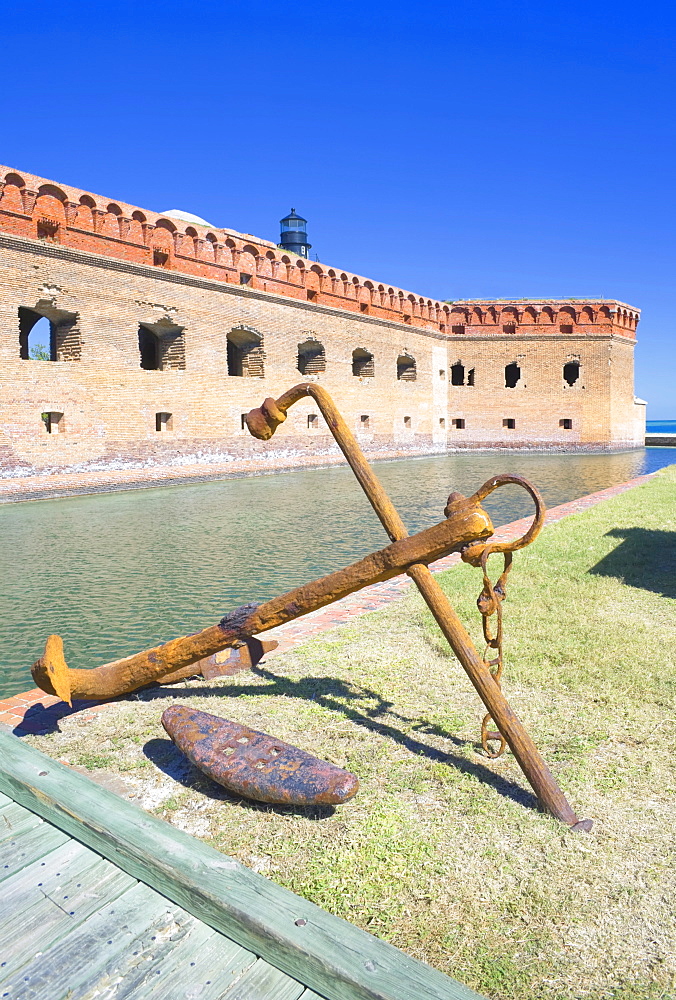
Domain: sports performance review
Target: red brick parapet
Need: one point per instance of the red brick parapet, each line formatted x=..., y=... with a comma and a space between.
x=36, y=208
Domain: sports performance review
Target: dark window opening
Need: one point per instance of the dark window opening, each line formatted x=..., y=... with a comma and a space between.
x=458, y=423
x=512, y=375
x=407, y=319
x=161, y=347
x=442, y=423
x=164, y=422
x=245, y=354
x=457, y=374
x=566, y=328
x=160, y=258
x=509, y=328
x=244, y=279
x=364, y=306
x=311, y=358
x=407, y=422
x=48, y=229
x=364, y=421
x=312, y=421
x=509, y=423
x=566, y=423
x=470, y=377
x=571, y=372
x=311, y=294
x=149, y=350
x=55, y=337
x=54, y=422
x=458, y=328
x=363, y=365
x=442, y=373
x=406, y=368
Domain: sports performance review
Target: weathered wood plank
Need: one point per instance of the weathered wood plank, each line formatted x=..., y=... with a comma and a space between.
x=37, y=912
x=327, y=954
x=14, y=820
x=29, y=847
x=196, y=962
x=93, y=950
x=263, y=982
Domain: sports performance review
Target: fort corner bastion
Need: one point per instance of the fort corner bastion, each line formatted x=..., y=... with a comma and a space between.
x=164, y=333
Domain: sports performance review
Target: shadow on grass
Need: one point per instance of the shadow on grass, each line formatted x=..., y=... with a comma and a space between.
x=331, y=693
x=168, y=758
x=646, y=559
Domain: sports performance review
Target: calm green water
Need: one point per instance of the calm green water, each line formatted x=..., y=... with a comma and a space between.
x=114, y=574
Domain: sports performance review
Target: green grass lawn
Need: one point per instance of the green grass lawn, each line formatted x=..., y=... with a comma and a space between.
x=443, y=852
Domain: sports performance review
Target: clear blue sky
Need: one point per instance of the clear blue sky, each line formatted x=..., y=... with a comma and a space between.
x=456, y=149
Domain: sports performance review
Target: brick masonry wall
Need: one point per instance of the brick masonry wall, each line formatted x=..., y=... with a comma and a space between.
x=87, y=265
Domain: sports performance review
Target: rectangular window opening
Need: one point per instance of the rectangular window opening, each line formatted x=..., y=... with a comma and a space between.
x=458, y=423
x=459, y=328
x=509, y=328
x=54, y=422
x=364, y=421
x=312, y=421
x=407, y=422
x=566, y=328
x=566, y=423
x=311, y=294
x=442, y=423
x=509, y=423
x=164, y=421
x=442, y=373
x=244, y=279
x=160, y=257
x=364, y=307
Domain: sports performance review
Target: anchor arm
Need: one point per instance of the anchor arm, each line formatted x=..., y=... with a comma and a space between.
x=51, y=672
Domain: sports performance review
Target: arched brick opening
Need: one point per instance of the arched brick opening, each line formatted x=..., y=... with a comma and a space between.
x=406, y=368
x=571, y=372
x=311, y=358
x=363, y=364
x=245, y=354
x=161, y=346
x=63, y=342
x=512, y=375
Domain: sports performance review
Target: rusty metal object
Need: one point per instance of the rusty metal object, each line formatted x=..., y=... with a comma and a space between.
x=264, y=421
x=52, y=674
x=254, y=765
x=178, y=658
x=466, y=529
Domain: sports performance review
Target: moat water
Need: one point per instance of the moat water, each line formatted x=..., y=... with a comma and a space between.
x=117, y=573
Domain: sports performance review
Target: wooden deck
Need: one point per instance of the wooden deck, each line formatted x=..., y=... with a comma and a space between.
x=99, y=899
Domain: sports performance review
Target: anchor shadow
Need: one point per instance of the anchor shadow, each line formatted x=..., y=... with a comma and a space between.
x=645, y=559
x=331, y=693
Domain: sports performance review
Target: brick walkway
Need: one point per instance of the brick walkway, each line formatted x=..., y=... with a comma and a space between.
x=37, y=712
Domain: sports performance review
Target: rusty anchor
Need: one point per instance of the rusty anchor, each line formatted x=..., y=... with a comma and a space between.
x=254, y=765
x=466, y=530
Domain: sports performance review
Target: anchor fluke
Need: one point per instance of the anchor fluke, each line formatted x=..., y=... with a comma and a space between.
x=51, y=670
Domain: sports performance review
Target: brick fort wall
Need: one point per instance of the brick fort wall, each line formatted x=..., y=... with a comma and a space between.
x=163, y=334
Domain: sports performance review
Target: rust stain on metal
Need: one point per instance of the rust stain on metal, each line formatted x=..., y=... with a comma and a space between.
x=254, y=765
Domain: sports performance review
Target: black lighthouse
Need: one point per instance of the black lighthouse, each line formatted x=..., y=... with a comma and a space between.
x=294, y=236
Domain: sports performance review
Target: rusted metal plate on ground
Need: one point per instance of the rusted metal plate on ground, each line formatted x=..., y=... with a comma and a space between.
x=254, y=765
